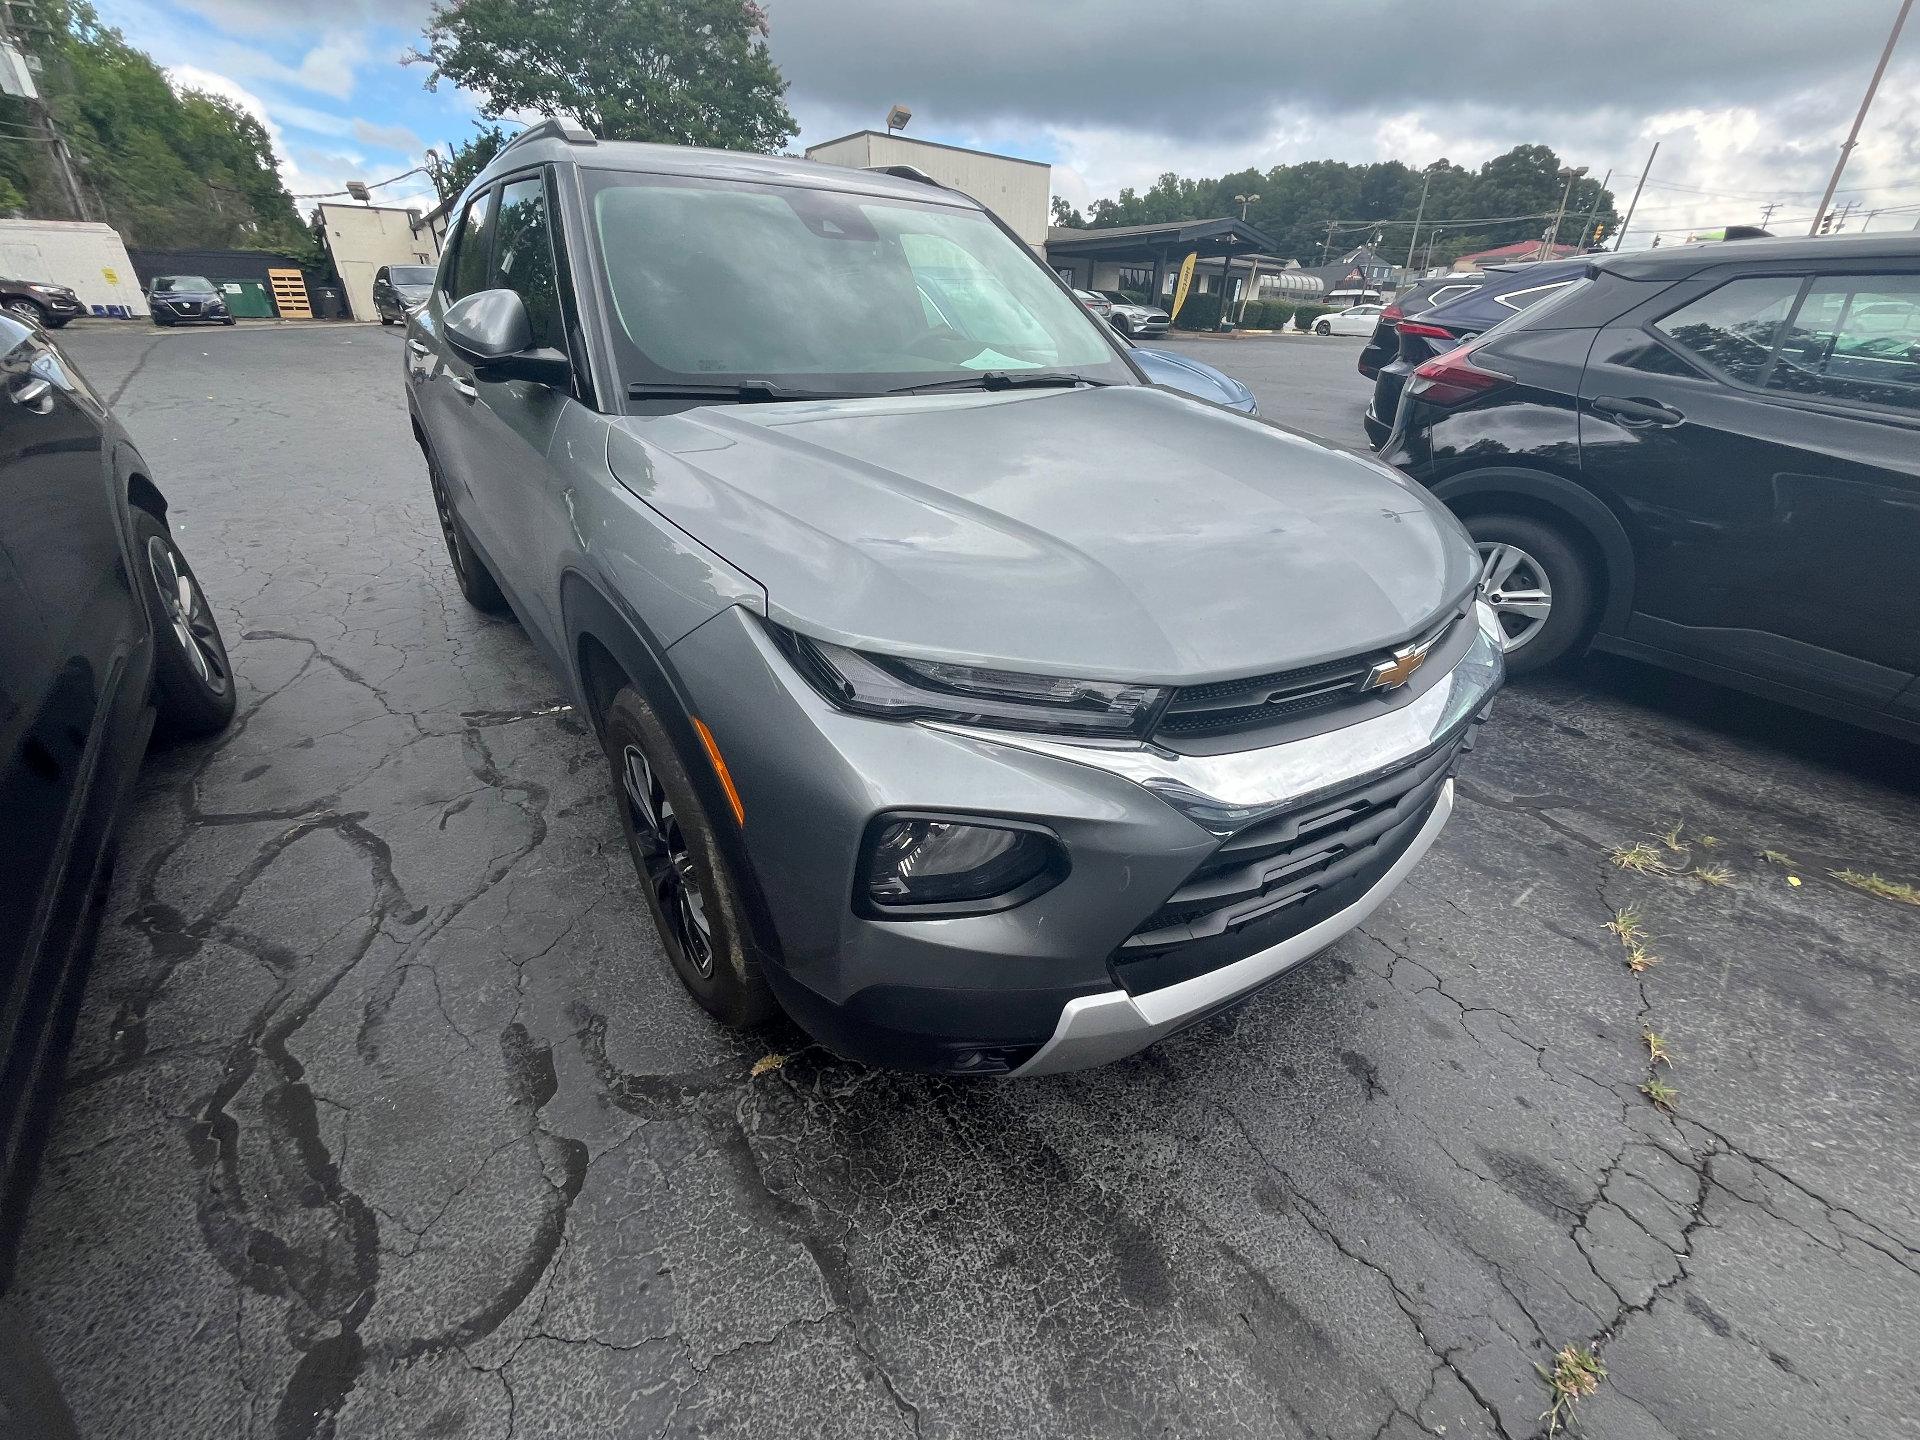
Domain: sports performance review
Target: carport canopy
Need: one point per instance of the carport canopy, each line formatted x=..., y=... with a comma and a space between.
x=1161, y=247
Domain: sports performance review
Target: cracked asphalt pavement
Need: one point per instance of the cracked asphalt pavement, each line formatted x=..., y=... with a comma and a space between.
x=386, y=1116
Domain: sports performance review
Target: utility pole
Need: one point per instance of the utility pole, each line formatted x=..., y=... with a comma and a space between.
x=1766, y=212
x=1327, y=246
x=1853, y=135
x=1419, y=215
x=1548, y=240
x=1586, y=229
x=43, y=115
x=1634, y=203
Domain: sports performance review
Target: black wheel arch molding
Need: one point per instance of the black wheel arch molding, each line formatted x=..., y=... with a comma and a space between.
x=1555, y=498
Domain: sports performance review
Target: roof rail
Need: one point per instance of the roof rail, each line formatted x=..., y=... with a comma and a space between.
x=905, y=172
x=552, y=129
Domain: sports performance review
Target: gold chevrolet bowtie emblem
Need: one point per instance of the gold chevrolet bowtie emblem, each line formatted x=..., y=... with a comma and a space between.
x=1391, y=674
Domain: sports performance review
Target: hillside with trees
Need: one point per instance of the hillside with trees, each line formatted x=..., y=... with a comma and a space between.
x=1297, y=202
x=163, y=168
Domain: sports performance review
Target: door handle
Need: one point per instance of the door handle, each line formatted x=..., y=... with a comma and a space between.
x=416, y=347
x=466, y=387
x=35, y=393
x=1636, y=412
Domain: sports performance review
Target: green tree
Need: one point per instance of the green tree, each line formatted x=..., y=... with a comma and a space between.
x=452, y=173
x=684, y=72
x=165, y=169
x=1065, y=216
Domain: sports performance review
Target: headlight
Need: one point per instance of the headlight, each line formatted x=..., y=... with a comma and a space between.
x=933, y=866
x=896, y=688
x=48, y=289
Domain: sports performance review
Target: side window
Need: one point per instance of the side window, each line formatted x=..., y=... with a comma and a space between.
x=1735, y=327
x=468, y=271
x=1523, y=299
x=1855, y=338
x=380, y=276
x=523, y=258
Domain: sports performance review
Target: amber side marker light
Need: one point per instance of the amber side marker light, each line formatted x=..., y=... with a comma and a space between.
x=720, y=769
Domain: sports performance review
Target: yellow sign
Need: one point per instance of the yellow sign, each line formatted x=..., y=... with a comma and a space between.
x=112, y=279
x=1186, y=279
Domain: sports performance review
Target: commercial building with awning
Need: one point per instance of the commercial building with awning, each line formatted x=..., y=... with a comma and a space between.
x=1146, y=258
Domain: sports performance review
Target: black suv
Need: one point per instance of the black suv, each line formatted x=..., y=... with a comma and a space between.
x=1502, y=293
x=33, y=303
x=1705, y=457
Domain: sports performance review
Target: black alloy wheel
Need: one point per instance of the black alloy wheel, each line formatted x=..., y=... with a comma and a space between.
x=483, y=592
x=161, y=318
x=193, y=688
x=1540, y=586
x=27, y=312
x=1321, y=327
x=684, y=873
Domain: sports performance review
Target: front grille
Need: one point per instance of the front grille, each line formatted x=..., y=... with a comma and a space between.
x=186, y=307
x=1199, y=711
x=1277, y=878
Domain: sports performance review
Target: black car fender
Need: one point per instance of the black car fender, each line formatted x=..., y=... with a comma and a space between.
x=1542, y=492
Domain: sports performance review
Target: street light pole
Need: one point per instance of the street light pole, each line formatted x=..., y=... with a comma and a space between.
x=1853, y=135
x=1419, y=215
x=1634, y=203
x=1553, y=235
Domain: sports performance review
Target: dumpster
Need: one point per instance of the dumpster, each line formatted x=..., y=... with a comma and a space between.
x=247, y=299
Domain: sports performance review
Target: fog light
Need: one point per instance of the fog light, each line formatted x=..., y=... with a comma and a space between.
x=929, y=866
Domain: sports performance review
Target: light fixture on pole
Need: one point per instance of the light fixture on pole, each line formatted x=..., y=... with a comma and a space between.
x=897, y=118
x=1243, y=201
x=1853, y=135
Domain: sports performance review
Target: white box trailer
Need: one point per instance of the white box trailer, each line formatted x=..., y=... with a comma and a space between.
x=86, y=256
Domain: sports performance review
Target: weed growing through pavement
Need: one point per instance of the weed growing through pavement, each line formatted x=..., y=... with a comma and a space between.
x=1713, y=875
x=1576, y=1374
x=1670, y=837
x=1641, y=858
x=1627, y=925
x=1661, y=1093
x=1657, y=1051
x=1776, y=857
x=1879, y=885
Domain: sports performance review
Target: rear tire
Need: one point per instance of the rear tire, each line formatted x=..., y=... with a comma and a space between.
x=1527, y=565
x=483, y=592
x=689, y=886
x=192, y=678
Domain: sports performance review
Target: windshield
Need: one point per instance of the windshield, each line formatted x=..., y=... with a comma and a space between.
x=183, y=282
x=411, y=275
x=719, y=282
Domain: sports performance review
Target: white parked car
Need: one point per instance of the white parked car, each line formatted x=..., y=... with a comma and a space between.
x=1354, y=320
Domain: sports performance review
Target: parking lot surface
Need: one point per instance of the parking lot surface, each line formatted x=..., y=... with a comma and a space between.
x=386, y=1116
x=1307, y=381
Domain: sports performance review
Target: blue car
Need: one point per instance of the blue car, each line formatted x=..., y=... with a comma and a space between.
x=1192, y=377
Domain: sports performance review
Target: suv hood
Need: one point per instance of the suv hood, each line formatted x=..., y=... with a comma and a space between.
x=1121, y=533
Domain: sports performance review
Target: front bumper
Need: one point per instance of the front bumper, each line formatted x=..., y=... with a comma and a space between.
x=1051, y=984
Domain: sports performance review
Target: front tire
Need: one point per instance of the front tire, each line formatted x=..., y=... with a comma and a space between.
x=27, y=313
x=1322, y=328
x=483, y=592
x=228, y=320
x=1539, y=584
x=690, y=888
x=192, y=678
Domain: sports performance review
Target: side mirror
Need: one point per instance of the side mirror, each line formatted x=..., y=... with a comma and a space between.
x=491, y=331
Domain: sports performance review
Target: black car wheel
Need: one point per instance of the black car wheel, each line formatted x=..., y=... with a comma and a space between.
x=27, y=312
x=226, y=320
x=689, y=885
x=1322, y=328
x=1540, y=587
x=160, y=319
x=192, y=678
x=483, y=592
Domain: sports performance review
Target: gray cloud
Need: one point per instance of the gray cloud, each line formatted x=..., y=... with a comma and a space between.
x=1213, y=69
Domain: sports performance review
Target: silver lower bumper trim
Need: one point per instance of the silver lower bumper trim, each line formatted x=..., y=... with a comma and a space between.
x=1095, y=1029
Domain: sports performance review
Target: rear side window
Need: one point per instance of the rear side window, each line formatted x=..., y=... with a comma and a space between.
x=1854, y=338
x=1449, y=292
x=468, y=273
x=523, y=258
x=1734, y=328
x=1527, y=299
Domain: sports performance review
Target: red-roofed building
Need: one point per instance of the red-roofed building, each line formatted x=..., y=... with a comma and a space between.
x=1520, y=250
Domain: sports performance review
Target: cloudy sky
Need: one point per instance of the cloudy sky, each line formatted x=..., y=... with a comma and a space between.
x=1749, y=99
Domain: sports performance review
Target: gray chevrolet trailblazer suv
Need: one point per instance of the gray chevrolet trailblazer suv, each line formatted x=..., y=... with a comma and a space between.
x=985, y=707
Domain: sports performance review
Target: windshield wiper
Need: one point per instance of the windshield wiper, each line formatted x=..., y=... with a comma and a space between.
x=1001, y=380
x=747, y=392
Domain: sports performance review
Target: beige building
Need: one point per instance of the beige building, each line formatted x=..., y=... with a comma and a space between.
x=362, y=238
x=1020, y=192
